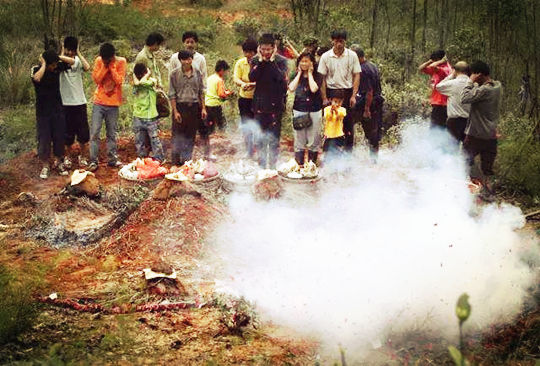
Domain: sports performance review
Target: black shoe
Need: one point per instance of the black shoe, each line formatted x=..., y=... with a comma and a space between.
x=115, y=164
x=299, y=157
x=313, y=156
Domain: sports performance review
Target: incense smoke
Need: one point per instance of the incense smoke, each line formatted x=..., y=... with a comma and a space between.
x=381, y=246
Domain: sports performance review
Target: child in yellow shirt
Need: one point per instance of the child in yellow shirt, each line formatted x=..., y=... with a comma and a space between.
x=334, y=138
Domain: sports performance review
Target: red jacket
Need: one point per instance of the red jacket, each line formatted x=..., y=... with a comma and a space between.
x=438, y=73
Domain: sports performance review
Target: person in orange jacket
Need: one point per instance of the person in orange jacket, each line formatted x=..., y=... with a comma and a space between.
x=108, y=74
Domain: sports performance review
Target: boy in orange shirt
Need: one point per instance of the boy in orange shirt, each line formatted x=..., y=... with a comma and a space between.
x=108, y=74
x=334, y=114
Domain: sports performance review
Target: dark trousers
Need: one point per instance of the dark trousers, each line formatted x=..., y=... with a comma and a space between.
x=456, y=127
x=333, y=148
x=184, y=133
x=438, y=116
x=486, y=148
x=373, y=126
x=348, y=121
x=215, y=119
x=268, y=139
x=246, y=121
x=51, y=128
x=76, y=124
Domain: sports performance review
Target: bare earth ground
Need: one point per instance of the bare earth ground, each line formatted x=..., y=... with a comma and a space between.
x=108, y=274
x=170, y=233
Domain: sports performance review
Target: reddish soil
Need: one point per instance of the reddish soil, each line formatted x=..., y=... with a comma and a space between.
x=159, y=233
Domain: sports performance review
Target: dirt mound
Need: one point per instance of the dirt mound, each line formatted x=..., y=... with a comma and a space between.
x=64, y=219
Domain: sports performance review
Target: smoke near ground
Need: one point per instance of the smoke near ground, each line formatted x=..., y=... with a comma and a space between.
x=379, y=246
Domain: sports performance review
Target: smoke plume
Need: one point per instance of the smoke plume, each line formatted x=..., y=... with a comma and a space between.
x=378, y=247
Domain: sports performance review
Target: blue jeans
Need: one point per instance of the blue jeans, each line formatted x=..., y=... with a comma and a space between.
x=109, y=114
x=147, y=130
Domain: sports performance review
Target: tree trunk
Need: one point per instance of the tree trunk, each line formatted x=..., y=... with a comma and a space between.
x=441, y=24
x=534, y=110
x=413, y=36
x=373, y=24
x=424, y=26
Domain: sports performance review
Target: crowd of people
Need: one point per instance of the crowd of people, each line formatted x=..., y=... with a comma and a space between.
x=334, y=89
x=466, y=102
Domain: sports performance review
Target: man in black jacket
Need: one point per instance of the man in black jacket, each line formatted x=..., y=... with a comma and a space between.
x=269, y=71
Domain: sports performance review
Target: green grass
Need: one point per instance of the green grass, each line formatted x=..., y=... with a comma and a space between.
x=17, y=131
x=18, y=310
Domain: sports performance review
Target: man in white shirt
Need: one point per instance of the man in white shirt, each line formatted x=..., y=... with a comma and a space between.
x=74, y=101
x=190, y=40
x=458, y=113
x=340, y=69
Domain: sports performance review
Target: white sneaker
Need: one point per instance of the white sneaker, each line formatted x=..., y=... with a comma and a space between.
x=62, y=169
x=82, y=161
x=67, y=163
x=44, y=173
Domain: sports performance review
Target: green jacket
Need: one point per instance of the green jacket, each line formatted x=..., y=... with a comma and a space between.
x=144, y=104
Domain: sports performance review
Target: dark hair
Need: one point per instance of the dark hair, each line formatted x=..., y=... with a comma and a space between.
x=185, y=54
x=338, y=94
x=360, y=53
x=222, y=65
x=71, y=43
x=305, y=54
x=50, y=57
x=437, y=55
x=267, y=38
x=106, y=51
x=139, y=70
x=250, y=45
x=338, y=34
x=190, y=34
x=322, y=50
x=154, y=38
x=480, y=67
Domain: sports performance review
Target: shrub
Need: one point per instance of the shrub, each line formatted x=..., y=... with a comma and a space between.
x=17, y=309
x=17, y=132
x=519, y=155
x=247, y=28
x=15, y=65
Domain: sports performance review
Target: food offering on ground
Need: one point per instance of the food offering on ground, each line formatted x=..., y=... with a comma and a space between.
x=292, y=170
x=196, y=171
x=242, y=173
x=143, y=169
x=265, y=174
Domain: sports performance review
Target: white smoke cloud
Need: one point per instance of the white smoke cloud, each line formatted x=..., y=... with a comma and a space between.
x=378, y=246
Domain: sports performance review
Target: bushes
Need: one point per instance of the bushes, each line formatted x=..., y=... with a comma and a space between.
x=519, y=155
x=17, y=309
x=15, y=65
x=17, y=131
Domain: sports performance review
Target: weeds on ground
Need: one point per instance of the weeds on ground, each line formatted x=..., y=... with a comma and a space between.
x=17, y=131
x=18, y=310
x=518, y=157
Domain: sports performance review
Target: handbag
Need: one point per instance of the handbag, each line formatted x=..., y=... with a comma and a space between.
x=162, y=104
x=302, y=121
